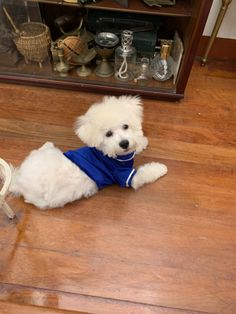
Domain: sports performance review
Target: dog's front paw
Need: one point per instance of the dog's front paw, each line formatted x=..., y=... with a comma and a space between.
x=148, y=173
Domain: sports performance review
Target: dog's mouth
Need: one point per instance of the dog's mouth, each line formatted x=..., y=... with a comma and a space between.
x=126, y=151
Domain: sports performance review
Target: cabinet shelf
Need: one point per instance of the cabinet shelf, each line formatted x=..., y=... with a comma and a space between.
x=45, y=75
x=182, y=7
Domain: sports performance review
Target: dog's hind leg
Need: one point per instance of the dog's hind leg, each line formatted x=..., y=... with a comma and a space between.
x=47, y=145
x=148, y=173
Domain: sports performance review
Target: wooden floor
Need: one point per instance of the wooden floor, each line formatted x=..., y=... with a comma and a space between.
x=168, y=248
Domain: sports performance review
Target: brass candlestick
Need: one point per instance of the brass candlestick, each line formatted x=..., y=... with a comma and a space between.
x=223, y=9
x=61, y=67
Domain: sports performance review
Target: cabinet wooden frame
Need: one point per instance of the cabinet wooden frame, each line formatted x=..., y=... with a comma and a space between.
x=189, y=18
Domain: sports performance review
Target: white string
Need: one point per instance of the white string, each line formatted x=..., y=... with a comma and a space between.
x=123, y=69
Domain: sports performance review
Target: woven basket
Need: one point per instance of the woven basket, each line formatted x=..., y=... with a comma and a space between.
x=33, y=41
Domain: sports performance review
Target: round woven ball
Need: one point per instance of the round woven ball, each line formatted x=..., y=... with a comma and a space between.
x=71, y=45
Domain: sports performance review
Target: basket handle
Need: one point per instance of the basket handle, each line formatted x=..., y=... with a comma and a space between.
x=10, y=20
x=7, y=174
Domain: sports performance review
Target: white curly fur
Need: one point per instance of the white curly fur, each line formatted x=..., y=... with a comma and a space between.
x=48, y=179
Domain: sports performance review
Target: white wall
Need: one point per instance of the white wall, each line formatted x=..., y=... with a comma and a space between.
x=228, y=26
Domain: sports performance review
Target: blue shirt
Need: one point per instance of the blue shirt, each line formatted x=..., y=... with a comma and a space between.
x=102, y=169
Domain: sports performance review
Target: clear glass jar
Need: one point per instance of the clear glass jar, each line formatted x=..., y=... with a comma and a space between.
x=125, y=57
x=143, y=72
x=162, y=64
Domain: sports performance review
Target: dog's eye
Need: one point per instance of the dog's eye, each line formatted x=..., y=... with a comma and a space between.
x=109, y=133
x=125, y=126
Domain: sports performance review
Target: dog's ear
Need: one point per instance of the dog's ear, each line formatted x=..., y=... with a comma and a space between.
x=85, y=130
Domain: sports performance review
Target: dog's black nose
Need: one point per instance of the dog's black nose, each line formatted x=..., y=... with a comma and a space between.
x=124, y=144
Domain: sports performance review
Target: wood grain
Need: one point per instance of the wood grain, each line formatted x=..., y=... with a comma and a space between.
x=8, y=308
x=167, y=248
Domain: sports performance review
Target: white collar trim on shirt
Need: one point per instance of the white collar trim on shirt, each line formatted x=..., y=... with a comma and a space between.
x=130, y=158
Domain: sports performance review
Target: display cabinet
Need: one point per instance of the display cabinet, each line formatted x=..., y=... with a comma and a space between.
x=55, y=43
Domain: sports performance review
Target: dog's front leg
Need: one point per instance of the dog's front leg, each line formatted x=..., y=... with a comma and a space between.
x=148, y=173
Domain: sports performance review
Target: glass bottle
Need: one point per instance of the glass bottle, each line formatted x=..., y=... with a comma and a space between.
x=125, y=57
x=162, y=64
x=143, y=73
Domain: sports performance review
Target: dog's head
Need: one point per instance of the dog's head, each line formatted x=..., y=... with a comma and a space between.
x=113, y=126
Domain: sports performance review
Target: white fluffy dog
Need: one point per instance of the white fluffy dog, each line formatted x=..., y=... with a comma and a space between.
x=112, y=131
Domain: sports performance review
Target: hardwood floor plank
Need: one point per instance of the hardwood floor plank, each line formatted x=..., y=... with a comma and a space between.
x=39, y=132
x=10, y=308
x=192, y=152
x=70, y=301
x=205, y=135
